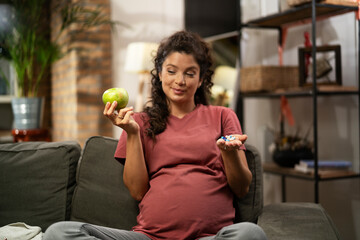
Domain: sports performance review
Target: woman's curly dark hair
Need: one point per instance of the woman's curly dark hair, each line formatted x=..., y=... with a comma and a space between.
x=182, y=42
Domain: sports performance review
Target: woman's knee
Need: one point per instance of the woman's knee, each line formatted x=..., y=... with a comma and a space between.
x=62, y=230
x=252, y=231
x=53, y=231
x=244, y=230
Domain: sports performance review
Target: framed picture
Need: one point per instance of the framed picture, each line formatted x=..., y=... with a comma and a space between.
x=328, y=65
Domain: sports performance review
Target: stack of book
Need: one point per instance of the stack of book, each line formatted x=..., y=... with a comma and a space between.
x=307, y=166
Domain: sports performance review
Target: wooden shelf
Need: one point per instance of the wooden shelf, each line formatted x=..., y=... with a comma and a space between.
x=271, y=167
x=300, y=15
x=6, y=136
x=5, y=133
x=5, y=98
x=305, y=91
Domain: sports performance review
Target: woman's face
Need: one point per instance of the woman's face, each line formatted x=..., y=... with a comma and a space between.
x=180, y=78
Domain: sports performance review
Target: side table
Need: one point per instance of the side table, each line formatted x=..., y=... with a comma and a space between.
x=27, y=135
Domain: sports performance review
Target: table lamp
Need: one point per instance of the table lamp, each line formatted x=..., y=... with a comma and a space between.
x=139, y=60
x=224, y=80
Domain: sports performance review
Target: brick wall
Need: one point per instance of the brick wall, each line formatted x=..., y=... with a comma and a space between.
x=78, y=81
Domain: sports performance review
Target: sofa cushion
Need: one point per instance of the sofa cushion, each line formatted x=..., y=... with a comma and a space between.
x=100, y=196
x=297, y=221
x=249, y=207
x=37, y=180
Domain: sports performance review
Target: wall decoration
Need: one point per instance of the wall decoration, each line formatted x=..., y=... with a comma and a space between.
x=328, y=65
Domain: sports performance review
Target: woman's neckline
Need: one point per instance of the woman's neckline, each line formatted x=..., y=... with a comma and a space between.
x=186, y=114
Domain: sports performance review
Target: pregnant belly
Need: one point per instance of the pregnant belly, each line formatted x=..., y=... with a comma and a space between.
x=186, y=202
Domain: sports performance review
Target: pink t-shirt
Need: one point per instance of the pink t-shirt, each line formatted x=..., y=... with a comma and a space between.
x=188, y=196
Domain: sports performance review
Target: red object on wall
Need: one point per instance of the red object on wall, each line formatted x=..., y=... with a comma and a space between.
x=286, y=111
x=307, y=43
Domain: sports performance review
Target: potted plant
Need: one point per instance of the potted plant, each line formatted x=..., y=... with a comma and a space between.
x=32, y=50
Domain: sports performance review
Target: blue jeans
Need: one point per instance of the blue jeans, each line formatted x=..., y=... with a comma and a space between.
x=84, y=231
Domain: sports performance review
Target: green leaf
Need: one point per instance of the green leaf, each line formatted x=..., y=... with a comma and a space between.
x=30, y=48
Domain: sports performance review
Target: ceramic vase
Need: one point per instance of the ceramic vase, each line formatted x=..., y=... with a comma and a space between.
x=28, y=112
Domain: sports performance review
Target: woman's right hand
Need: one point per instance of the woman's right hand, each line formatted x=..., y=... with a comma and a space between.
x=122, y=119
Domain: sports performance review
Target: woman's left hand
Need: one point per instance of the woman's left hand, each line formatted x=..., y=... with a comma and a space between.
x=231, y=142
x=236, y=167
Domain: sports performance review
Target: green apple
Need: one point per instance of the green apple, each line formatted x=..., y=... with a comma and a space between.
x=119, y=95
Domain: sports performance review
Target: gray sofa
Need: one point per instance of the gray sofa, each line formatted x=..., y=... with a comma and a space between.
x=42, y=183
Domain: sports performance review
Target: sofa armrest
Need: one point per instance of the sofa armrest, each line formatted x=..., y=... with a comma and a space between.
x=297, y=221
x=250, y=206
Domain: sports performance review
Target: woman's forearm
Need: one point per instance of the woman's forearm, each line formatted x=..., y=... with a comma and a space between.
x=135, y=176
x=237, y=171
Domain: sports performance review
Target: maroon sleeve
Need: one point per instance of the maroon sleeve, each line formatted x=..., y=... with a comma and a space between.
x=120, y=153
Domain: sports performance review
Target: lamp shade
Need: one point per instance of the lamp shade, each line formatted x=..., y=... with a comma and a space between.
x=225, y=76
x=139, y=57
x=224, y=80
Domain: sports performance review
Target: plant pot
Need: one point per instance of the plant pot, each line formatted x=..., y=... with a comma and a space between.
x=288, y=158
x=28, y=112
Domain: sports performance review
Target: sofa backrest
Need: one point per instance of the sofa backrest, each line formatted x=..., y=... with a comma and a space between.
x=37, y=180
x=100, y=196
